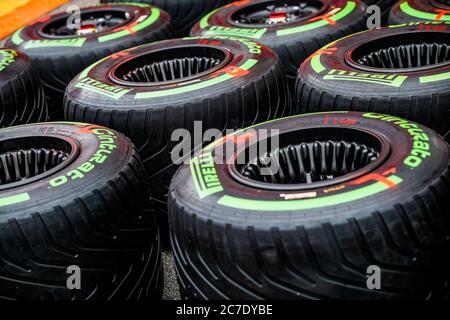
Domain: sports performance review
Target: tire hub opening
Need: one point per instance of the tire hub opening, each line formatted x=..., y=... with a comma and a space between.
x=403, y=53
x=170, y=66
x=29, y=159
x=91, y=22
x=278, y=12
x=312, y=158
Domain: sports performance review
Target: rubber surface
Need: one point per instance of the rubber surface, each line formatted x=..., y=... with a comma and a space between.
x=60, y=59
x=232, y=241
x=419, y=10
x=248, y=89
x=87, y=214
x=293, y=41
x=184, y=13
x=21, y=93
x=326, y=81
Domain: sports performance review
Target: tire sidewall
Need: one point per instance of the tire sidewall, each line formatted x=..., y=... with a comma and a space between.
x=12, y=62
x=323, y=66
x=102, y=153
x=270, y=204
x=244, y=51
x=278, y=34
x=421, y=10
x=34, y=43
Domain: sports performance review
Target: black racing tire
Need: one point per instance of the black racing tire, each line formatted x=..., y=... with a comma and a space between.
x=184, y=13
x=420, y=10
x=21, y=93
x=61, y=55
x=354, y=190
x=293, y=41
x=245, y=85
x=364, y=72
x=73, y=195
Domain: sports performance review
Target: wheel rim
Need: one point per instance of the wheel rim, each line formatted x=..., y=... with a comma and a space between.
x=91, y=22
x=278, y=12
x=313, y=158
x=170, y=66
x=417, y=52
x=28, y=159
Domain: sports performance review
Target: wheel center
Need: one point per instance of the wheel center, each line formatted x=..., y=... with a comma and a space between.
x=278, y=17
x=278, y=12
x=89, y=22
x=311, y=158
x=87, y=29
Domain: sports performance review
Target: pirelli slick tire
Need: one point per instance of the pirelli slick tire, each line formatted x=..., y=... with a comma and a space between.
x=167, y=94
x=61, y=52
x=72, y=225
x=334, y=197
x=420, y=10
x=401, y=70
x=184, y=12
x=21, y=94
x=293, y=32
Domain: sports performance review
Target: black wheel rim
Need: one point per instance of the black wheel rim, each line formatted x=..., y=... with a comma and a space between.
x=278, y=12
x=92, y=22
x=28, y=159
x=409, y=52
x=169, y=66
x=314, y=158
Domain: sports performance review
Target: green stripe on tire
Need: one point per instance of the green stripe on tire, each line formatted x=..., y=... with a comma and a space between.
x=201, y=85
x=278, y=205
x=406, y=8
x=154, y=16
x=204, y=21
x=349, y=7
x=435, y=78
x=16, y=39
x=8, y=201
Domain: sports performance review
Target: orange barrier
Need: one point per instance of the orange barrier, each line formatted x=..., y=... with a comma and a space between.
x=17, y=13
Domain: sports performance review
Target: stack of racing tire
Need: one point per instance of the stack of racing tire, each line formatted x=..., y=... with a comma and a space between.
x=280, y=150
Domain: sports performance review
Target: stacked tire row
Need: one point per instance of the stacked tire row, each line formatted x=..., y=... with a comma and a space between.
x=103, y=31
x=74, y=216
x=348, y=180
x=314, y=226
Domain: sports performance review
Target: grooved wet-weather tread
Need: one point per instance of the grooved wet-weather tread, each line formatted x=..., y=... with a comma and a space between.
x=434, y=115
x=317, y=259
x=27, y=267
x=21, y=98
